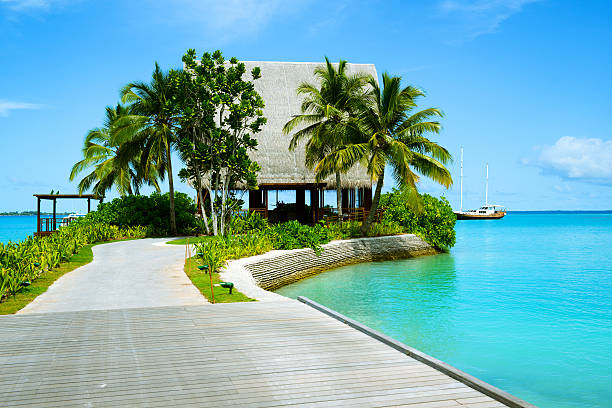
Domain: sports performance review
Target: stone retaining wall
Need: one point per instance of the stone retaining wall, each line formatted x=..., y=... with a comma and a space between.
x=285, y=267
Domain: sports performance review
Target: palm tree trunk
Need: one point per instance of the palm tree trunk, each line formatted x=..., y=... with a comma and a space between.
x=368, y=221
x=173, y=230
x=339, y=196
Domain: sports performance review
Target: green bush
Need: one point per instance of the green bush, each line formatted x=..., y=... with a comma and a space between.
x=23, y=262
x=434, y=221
x=248, y=223
x=152, y=211
x=293, y=235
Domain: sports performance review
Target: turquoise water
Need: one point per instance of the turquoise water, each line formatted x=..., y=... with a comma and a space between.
x=523, y=303
x=16, y=228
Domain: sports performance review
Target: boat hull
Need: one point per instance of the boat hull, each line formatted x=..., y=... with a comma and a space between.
x=463, y=216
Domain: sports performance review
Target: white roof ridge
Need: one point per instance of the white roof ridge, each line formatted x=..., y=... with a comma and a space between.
x=301, y=62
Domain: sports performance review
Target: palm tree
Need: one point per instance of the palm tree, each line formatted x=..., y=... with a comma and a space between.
x=388, y=133
x=101, y=151
x=150, y=130
x=324, y=111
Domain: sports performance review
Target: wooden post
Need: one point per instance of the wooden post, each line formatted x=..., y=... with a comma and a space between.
x=345, y=198
x=38, y=217
x=54, y=213
x=254, y=199
x=367, y=198
x=314, y=204
x=300, y=204
x=88, y=205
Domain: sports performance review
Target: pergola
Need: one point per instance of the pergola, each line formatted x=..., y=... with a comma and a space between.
x=50, y=224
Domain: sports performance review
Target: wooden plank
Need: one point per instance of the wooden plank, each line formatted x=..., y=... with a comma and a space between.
x=251, y=355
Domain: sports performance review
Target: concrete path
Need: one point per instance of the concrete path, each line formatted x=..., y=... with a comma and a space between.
x=126, y=274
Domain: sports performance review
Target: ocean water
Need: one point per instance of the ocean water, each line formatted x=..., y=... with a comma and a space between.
x=16, y=228
x=523, y=303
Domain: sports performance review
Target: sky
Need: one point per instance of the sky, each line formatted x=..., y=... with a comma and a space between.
x=524, y=84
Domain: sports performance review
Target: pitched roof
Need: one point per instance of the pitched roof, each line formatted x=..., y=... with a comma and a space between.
x=277, y=86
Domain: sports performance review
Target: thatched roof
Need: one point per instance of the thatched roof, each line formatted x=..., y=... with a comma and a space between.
x=277, y=86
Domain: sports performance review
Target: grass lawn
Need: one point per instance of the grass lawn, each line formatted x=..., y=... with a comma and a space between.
x=192, y=240
x=22, y=298
x=201, y=281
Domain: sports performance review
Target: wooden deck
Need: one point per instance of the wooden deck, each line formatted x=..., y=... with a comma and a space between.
x=260, y=354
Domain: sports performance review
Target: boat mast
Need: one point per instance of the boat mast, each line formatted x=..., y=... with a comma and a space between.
x=487, y=187
x=461, y=205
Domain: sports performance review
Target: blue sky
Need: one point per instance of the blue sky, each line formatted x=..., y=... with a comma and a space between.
x=524, y=84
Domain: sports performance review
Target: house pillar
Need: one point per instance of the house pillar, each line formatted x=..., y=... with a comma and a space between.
x=314, y=204
x=255, y=199
x=38, y=216
x=345, y=198
x=300, y=204
x=367, y=198
x=54, y=213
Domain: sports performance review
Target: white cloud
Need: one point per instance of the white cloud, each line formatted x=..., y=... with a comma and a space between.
x=478, y=17
x=7, y=106
x=572, y=158
x=19, y=5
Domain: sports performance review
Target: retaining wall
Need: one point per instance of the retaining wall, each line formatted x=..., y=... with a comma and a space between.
x=283, y=267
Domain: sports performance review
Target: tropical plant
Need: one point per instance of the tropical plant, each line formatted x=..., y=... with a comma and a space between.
x=148, y=211
x=150, y=130
x=100, y=150
x=221, y=112
x=325, y=111
x=434, y=221
x=387, y=132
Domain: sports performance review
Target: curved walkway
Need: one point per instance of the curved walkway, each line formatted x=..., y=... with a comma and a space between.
x=125, y=274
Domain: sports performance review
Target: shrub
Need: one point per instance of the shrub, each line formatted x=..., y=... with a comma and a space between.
x=152, y=212
x=248, y=223
x=434, y=221
x=293, y=235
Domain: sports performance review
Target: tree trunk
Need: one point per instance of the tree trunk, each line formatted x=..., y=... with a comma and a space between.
x=224, y=193
x=339, y=196
x=212, y=209
x=368, y=221
x=173, y=230
x=202, y=207
x=213, y=200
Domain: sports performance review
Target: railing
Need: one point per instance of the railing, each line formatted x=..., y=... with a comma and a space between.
x=48, y=225
x=261, y=211
x=348, y=214
x=326, y=214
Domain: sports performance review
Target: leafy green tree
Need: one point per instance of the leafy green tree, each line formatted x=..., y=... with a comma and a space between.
x=434, y=221
x=150, y=131
x=388, y=132
x=220, y=114
x=100, y=151
x=325, y=111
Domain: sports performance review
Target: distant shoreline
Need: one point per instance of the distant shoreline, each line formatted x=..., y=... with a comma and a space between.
x=27, y=214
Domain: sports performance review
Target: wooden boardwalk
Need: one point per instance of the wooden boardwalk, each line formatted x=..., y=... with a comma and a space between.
x=260, y=354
